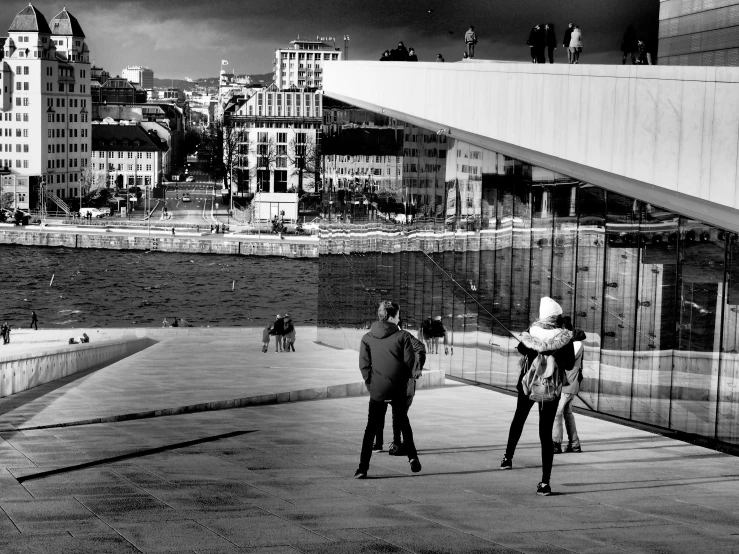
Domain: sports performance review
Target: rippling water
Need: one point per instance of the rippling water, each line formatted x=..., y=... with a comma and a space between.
x=108, y=288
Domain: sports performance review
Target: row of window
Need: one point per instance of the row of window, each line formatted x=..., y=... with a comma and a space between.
x=309, y=56
x=429, y=153
x=129, y=155
x=62, y=178
x=59, y=148
x=73, y=118
x=18, y=148
x=73, y=103
x=73, y=133
x=18, y=133
x=119, y=167
x=18, y=164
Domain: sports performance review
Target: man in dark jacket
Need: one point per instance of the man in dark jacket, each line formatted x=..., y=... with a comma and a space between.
x=386, y=360
x=399, y=54
x=278, y=329
x=537, y=43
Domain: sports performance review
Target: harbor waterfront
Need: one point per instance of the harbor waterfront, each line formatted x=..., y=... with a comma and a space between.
x=99, y=288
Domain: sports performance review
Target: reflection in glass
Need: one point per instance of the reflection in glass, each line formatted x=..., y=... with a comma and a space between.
x=455, y=231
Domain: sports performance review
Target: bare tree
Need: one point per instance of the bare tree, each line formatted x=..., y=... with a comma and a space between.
x=92, y=180
x=266, y=157
x=303, y=154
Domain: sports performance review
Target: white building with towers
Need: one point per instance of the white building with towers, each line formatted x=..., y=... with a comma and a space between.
x=301, y=64
x=140, y=76
x=44, y=108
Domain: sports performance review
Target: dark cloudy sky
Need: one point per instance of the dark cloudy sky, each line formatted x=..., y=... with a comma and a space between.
x=188, y=38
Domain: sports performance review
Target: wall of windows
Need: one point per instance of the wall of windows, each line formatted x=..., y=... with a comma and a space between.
x=656, y=293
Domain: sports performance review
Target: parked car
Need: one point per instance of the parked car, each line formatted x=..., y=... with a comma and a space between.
x=186, y=198
x=190, y=179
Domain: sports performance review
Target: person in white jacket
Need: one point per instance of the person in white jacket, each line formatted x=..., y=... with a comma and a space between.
x=575, y=44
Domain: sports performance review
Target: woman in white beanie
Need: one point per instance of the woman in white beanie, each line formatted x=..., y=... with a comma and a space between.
x=545, y=336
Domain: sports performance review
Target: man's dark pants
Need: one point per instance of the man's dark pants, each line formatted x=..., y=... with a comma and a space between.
x=397, y=439
x=376, y=421
x=547, y=412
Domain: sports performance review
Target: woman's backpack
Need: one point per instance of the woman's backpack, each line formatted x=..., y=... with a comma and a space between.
x=542, y=381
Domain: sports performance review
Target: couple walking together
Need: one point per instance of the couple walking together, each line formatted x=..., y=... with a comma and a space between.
x=550, y=374
x=283, y=330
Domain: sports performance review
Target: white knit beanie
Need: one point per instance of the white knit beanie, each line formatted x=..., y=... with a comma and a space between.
x=549, y=308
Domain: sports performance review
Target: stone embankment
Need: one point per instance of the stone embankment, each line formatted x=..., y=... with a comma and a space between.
x=162, y=241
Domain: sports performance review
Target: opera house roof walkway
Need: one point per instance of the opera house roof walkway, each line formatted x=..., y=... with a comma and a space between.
x=275, y=476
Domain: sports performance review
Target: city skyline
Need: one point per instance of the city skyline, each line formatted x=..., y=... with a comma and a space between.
x=151, y=33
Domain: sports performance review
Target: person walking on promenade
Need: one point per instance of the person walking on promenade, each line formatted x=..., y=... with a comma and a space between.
x=412, y=55
x=545, y=338
x=34, y=321
x=266, y=332
x=550, y=38
x=386, y=360
x=566, y=41
x=426, y=334
x=438, y=331
x=470, y=39
x=570, y=388
x=629, y=45
x=576, y=44
x=386, y=56
x=397, y=448
x=278, y=328
x=643, y=57
x=537, y=43
x=289, y=335
x=5, y=332
x=439, y=58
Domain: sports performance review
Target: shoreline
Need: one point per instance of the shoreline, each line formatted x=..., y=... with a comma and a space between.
x=160, y=240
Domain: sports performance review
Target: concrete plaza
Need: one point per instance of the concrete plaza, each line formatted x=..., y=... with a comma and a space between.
x=278, y=478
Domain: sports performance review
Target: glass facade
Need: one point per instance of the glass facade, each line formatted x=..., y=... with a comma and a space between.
x=478, y=238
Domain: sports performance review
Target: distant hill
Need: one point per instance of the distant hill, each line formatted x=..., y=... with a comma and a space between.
x=182, y=84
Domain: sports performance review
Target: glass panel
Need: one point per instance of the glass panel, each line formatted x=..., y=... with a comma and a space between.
x=727, y=428
x=700, y=289
x=654, y=339
x=619, y=300
x=590, y=267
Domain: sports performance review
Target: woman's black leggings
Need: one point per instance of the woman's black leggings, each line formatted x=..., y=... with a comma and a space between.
x=547, y=411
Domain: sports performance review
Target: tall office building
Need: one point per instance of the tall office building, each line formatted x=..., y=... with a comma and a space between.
x=699, y=32
x=301, y=64
x=44, y=107
x=139, y=75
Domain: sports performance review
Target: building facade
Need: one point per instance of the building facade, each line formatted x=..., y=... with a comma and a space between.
x=301, y=64
x=276, y=140
x=125, y=154
x=138, y=75
x=631, y=225
x=45, y=107
x=699, y=32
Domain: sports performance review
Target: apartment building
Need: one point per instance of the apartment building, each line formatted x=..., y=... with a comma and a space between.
x=278, y=134
x=301, y=64
x=44, y=107
x=127, y=154
x=140, y=76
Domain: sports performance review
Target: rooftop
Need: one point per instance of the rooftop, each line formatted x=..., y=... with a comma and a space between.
x=277, y=477
x=124, y=137
x=30, y=19
x=65, y=24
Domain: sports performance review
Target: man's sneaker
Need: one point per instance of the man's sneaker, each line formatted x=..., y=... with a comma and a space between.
x=575, y=449
x=395, y=449
x=377, y=448
x=557, y=447
x=415, y=465
x=359, y=474
x=543, y=489
x=506, y=463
